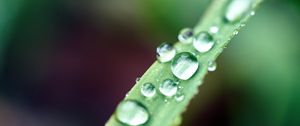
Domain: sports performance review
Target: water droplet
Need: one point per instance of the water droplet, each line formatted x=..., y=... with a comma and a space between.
x=252, y=13
x=179, y=97
x=203, y=42
x=237, y=9
x=168, y=87
x=212, y=66
x=132, y=113
x=214, y=29
x=177, y=81
x=186, y=35
x=148, y=90
x=166, y=101
x=180, y=87
x=184, y=65
x=137, y=79
x=165, y=52
x=235, y=32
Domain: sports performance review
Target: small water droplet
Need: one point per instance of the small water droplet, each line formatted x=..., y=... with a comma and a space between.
x=148, y=90
x=203, y=42
x=252, y=13
x=137, y=79
x=242, y=25
x=184, y=65
x=166, y=101
x=186, y=36
x=165, y=52
x=168, y=87
x=235, y=32
x=177, y=81
x=180, y=87
x=132, y=113
x=179, y=97
x=237, y=9
x=212, y=66
x=214, y=29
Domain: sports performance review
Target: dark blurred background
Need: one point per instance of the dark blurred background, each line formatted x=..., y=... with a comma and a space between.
x=69, y=63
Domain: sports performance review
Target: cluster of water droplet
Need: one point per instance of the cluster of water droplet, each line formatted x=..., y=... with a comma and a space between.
x=183, y=65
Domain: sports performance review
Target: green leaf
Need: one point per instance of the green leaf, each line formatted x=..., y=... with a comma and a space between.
x=166, y=111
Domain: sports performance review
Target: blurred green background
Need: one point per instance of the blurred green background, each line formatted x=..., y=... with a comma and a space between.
x=69, y=63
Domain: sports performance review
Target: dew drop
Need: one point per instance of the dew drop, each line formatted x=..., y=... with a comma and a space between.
x=252, y=13
x=177, y=81
x=168, y=87
x=132, y=113
x=237, y=9
x=214, y=29
x=165, y=52
x=179, y=97
x=148, y=90
x=235, y=32
x=137, y=79
x=184, y=65
x=180, y=87
x=212, y=66
x=203, y=42
x=166, y=101
x=186, y=36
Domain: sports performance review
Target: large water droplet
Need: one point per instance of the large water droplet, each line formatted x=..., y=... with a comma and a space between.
x=165, y=52
x=203, y=42
x=237, y=9
x=132, y=113
x=212, y=66
x=186, y=36
x=148, y=90
x=184, y=65
x=168, y=87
